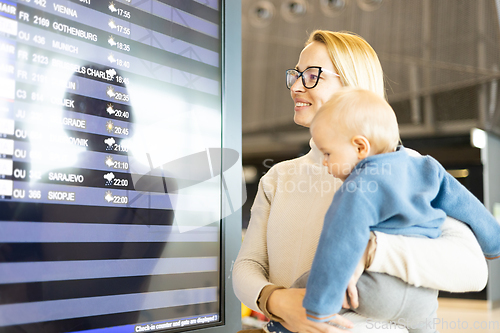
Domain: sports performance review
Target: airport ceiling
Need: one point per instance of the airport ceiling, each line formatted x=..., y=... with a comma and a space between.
x=441, y=60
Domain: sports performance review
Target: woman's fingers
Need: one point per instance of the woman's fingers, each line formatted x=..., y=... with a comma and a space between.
x=343, y=326
x=313, y=327
x=341, y=321
x=287, y=304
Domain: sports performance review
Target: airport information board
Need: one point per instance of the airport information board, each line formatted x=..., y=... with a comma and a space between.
x=110, y=204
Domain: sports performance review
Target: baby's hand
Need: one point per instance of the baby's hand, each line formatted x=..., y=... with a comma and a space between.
x=351, y=295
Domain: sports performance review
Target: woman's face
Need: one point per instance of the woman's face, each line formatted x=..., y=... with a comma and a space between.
x=308, y=101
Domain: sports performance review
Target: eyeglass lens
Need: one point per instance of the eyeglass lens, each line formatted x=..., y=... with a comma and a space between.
x=310, y=77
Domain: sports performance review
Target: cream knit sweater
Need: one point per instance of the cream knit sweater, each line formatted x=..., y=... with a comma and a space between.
x=286, y=221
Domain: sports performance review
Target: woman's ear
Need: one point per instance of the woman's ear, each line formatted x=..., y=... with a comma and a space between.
x=362, y=146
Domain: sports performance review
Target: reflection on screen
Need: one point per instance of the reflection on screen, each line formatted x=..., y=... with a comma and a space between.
x=109, y=201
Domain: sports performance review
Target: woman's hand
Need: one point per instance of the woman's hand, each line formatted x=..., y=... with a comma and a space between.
x=287, y=304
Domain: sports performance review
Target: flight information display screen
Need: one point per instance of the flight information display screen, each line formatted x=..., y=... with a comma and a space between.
x=110, y=149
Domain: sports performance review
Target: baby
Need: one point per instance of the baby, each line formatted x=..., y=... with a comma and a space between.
x=386, y=188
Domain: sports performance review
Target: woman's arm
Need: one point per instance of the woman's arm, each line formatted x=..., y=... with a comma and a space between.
x=251, y=272
x=251, y=269
x=453, y=262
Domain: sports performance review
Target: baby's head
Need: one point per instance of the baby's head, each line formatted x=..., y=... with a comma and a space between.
x=351, y=126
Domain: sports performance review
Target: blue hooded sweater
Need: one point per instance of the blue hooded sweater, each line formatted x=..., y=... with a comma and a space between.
x=394, y=193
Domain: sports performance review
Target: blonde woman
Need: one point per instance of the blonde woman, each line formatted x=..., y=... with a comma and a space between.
x=286, y=220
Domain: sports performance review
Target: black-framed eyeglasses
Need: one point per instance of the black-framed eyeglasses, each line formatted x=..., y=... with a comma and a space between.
x=310, y=76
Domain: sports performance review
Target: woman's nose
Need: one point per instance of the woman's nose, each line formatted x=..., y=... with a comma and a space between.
x=297, y=86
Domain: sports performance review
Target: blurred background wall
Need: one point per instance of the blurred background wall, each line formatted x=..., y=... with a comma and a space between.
x=441, y=60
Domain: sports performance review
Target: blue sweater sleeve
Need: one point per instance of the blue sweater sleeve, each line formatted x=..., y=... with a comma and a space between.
x=456, y=201
x=346, y=232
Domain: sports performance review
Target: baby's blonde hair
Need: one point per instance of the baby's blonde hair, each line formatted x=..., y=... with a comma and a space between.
x=353, y=111
x=353, y=58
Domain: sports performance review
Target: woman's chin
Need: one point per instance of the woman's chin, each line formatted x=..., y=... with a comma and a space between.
x=302, y=119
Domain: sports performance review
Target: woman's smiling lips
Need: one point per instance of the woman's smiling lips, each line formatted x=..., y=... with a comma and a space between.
x=300, y=104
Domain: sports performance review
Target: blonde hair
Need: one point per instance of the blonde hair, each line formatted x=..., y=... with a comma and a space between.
x=353, y=58
x=353, y=111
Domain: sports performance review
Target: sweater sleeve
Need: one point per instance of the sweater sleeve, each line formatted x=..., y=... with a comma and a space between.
x=251, y=268
x=456, y=201
x=453, y=262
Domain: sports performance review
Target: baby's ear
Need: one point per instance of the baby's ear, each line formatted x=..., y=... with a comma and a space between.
x=362, y=146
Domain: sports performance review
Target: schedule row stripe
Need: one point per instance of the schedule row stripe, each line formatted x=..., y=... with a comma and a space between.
x=69, y=52
x=190, y=207
x=38, y=252
x=125, y=321
x=49, y=232
x=99, y=15
x=57, y=290
x=155, y=52
x=203, y=19
x=18, y=314
x=43, y=161
x=36, y=212
x=23, y=272
x=196, y=8
x=208, y=3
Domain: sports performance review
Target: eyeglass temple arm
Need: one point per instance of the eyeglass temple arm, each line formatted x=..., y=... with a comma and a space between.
x=329, y=71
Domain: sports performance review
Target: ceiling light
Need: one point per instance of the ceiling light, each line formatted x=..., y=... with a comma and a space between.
x=261, y=14
x=332, y=7
x=369, y=5
x=293, y=10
